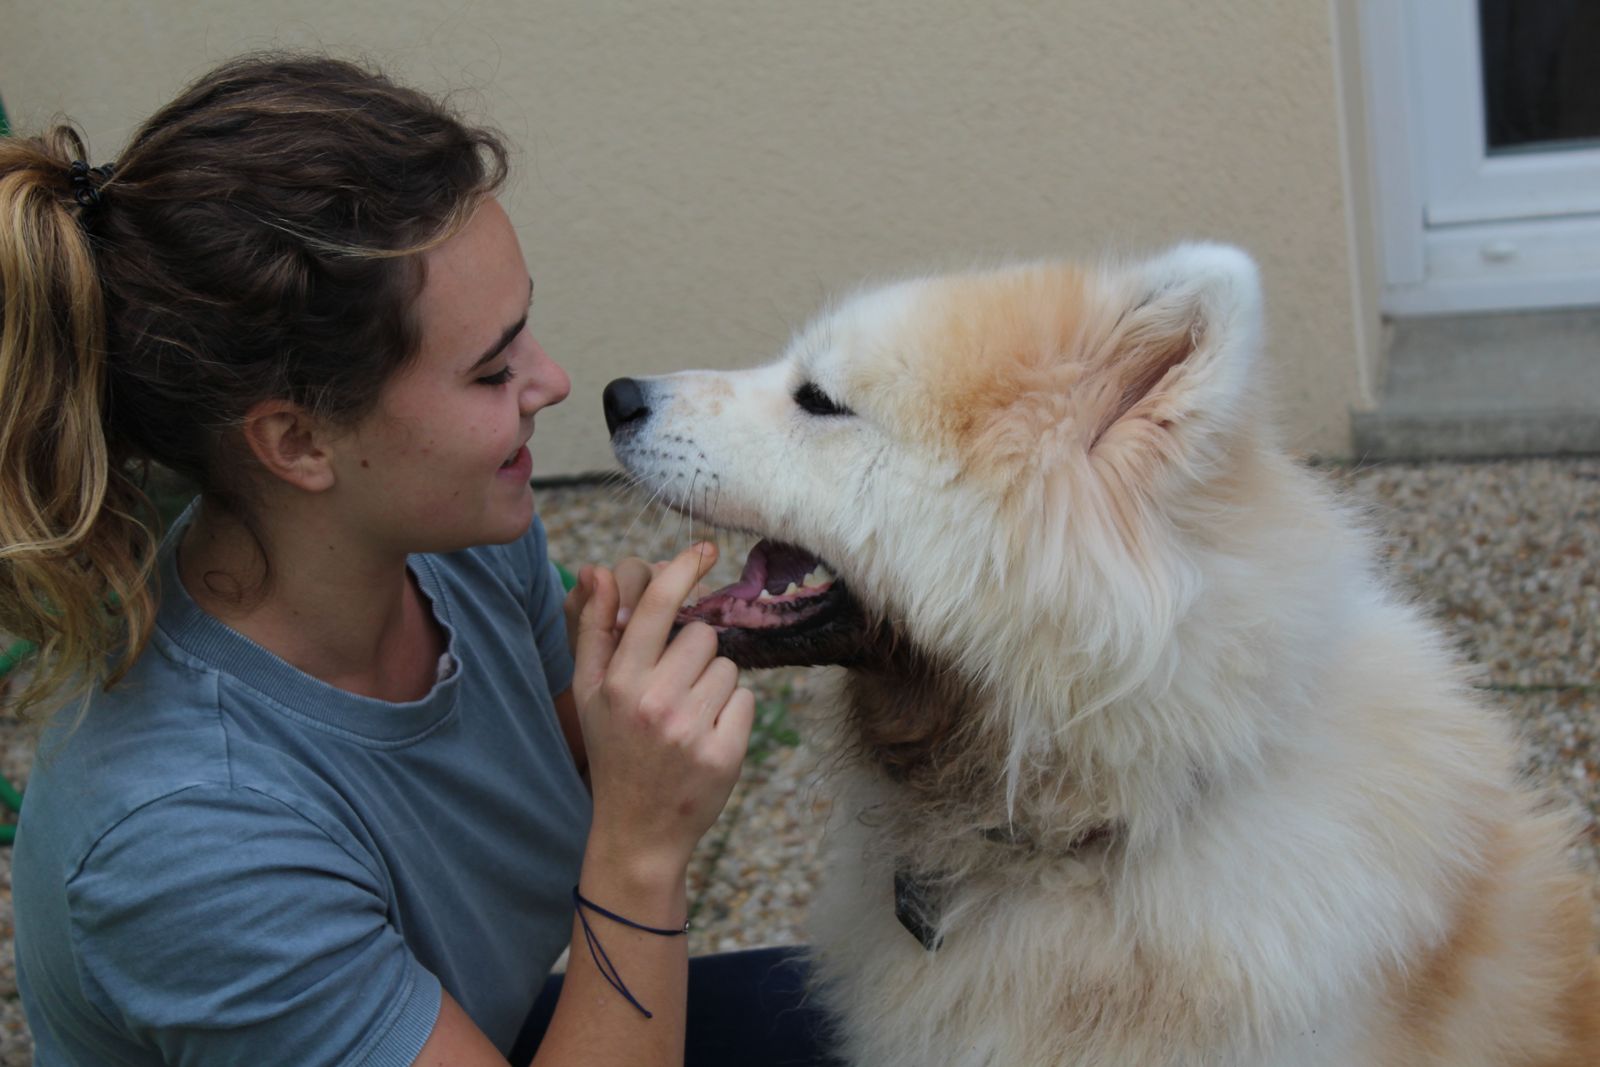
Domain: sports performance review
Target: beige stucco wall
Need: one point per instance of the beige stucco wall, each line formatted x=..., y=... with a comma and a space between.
x=696, y=177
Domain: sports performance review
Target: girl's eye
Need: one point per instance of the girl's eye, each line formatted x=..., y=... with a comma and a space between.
x=499, y=377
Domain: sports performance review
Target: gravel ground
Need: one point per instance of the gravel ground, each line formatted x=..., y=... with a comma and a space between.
x=1506, y=555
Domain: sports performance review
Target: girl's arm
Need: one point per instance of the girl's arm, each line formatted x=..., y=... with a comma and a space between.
x=567, y=715
x=665, y=727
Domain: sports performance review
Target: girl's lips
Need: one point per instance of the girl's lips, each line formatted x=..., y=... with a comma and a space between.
x=520, y=468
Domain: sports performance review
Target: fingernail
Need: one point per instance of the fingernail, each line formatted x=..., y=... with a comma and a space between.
x=623, y=615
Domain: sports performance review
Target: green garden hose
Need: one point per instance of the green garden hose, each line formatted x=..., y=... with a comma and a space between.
x=568, y=580
x=14, y=655
x=11, y=798
x=9, y=795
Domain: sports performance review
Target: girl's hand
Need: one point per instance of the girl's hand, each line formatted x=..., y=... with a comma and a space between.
x=630, y=576
x=633, y=575
x=665, y=726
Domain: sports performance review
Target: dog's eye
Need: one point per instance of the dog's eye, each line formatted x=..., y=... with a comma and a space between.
x=814, y=401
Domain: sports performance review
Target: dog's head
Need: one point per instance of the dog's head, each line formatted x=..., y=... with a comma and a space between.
x=966, y=462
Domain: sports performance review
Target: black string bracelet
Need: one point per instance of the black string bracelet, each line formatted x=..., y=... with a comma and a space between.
x=597, y=952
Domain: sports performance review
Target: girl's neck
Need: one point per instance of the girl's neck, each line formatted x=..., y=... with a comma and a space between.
x=318, y=599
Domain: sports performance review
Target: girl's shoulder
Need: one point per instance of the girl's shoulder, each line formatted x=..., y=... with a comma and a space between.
x=156, y=732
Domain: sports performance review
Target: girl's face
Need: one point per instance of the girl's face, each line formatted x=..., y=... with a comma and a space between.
x=443, y=462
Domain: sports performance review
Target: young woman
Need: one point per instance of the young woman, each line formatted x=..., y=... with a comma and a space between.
x=335, y=771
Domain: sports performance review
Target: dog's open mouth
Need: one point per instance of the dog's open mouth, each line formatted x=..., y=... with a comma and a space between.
x=781, y=586
x=786, y=609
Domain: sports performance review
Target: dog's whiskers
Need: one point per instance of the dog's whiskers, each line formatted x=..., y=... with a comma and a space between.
x=650, y=500
x=687, y=511
x=663, y=513
x=618, y=484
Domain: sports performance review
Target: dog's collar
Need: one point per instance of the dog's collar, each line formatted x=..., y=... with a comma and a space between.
x=917, y=908
x=917, y=903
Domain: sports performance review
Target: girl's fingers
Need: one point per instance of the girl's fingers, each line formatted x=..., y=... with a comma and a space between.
x=714, y=687
x=685, y=661
x=572, y=606
x=633, y=576
x=730, y=734
x=596, y=640
x=652, y=619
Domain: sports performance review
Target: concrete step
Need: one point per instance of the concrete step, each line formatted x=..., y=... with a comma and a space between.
x=1517, y=384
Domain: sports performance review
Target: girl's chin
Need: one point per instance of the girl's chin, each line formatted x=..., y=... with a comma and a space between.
x=503, y=527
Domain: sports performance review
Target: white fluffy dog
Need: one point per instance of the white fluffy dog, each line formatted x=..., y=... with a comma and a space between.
x=1139, y=762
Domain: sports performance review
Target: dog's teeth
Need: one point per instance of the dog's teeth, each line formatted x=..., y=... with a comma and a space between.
x=763, y=595
x=820, y=576
x=792, y=590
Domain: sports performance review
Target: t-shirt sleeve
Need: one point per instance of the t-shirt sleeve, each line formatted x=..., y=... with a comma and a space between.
x=543, y=597
x=219, y=926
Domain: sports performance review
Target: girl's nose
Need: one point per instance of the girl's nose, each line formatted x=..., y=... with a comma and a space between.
x=547, y=384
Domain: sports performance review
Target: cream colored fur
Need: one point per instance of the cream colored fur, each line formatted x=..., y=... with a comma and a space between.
x=1061, y=488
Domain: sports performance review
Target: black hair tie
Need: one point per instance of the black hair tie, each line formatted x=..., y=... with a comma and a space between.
x=85, y=188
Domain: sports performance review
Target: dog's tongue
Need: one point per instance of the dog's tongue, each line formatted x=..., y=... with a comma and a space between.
x=771, y=566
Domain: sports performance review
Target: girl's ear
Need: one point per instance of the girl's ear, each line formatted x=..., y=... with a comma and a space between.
x=290, y=444
x=1184, y=349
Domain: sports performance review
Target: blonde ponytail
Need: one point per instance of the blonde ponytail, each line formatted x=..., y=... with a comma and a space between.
x=76, y=543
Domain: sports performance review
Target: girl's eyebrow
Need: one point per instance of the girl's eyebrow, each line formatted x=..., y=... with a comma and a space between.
x=506, y=337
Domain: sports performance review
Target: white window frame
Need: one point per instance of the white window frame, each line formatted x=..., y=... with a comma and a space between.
x=1460, y=230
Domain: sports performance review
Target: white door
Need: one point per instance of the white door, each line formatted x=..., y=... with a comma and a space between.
x=1486, y=123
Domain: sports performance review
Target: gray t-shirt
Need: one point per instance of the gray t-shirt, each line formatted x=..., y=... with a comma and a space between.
x=229, y=861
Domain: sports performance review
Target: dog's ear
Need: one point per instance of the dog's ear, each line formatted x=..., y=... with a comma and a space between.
x=1183, y=347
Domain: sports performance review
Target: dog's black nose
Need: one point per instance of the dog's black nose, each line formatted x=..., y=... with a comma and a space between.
x=624, y=401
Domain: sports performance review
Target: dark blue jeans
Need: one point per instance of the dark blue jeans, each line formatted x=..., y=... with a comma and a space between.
x=746, y=1009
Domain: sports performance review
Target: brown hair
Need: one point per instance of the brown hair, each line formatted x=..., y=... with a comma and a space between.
x=258, y=238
